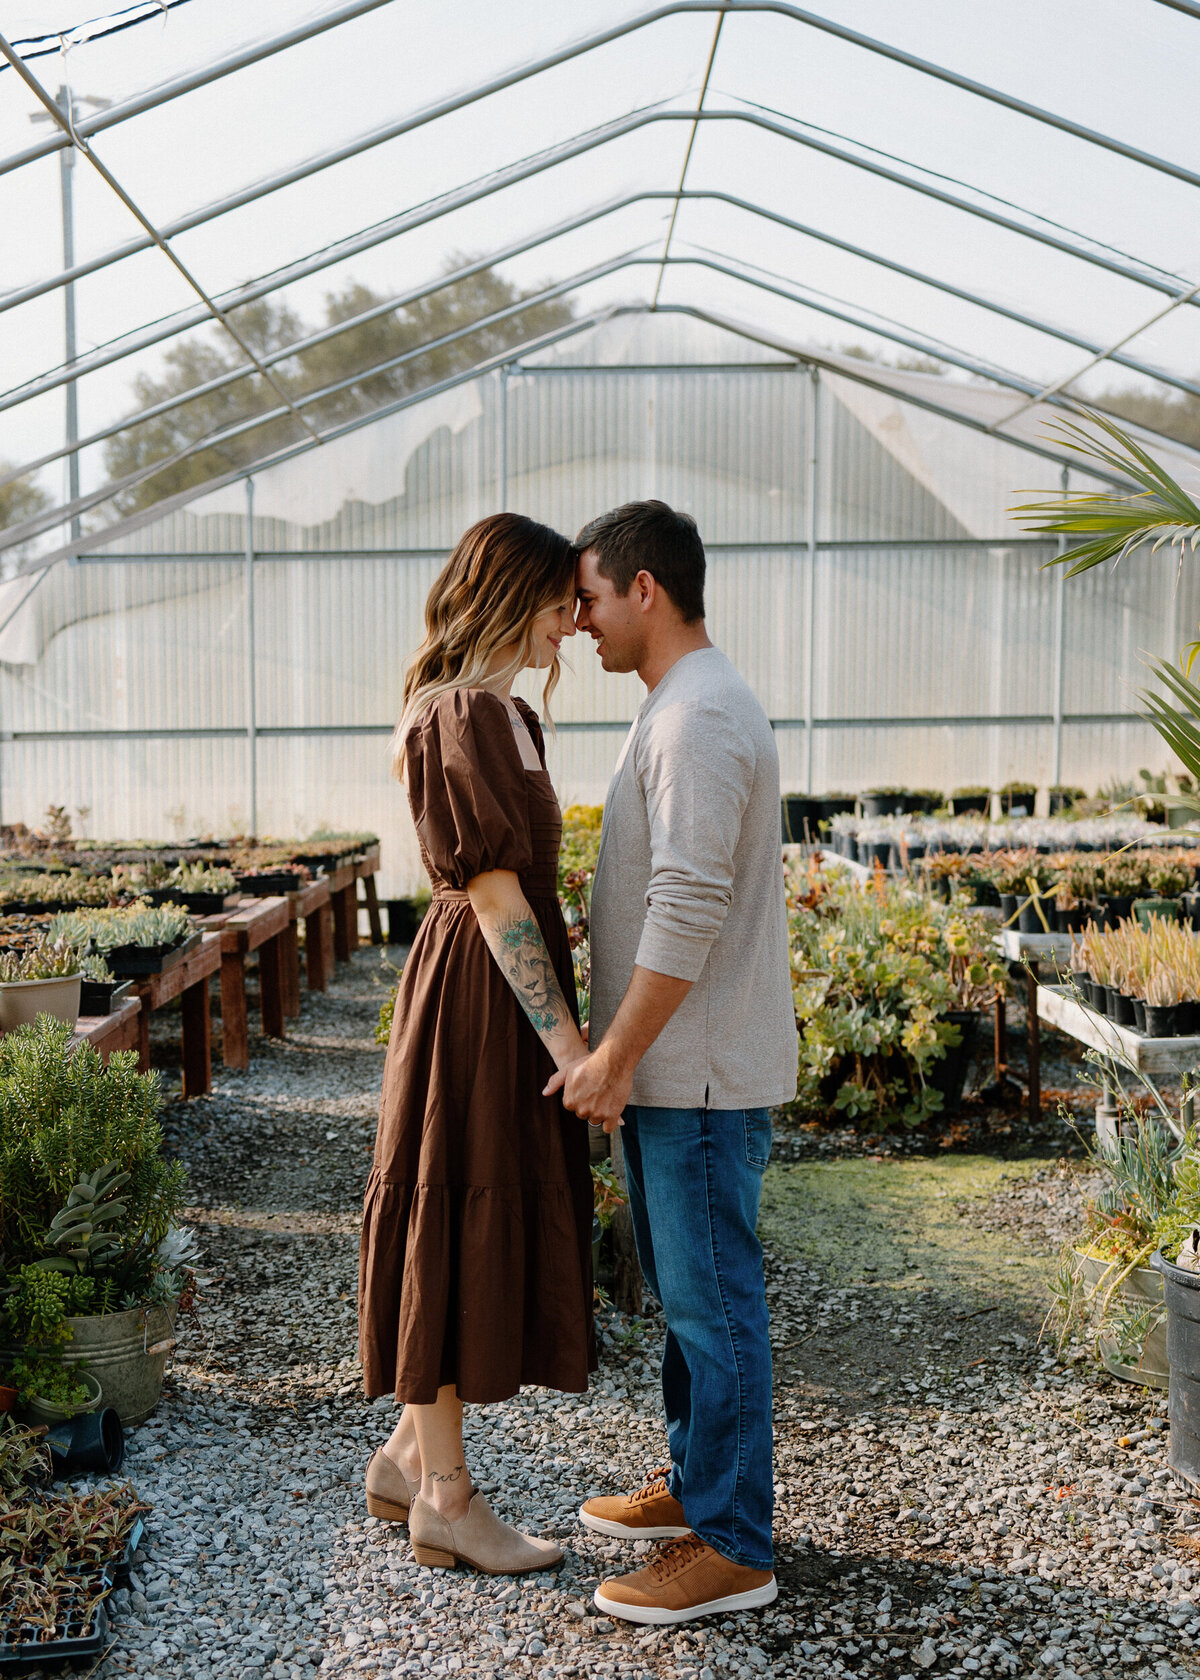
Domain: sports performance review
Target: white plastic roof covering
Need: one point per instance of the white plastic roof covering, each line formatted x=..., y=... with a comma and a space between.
x=1005, y=189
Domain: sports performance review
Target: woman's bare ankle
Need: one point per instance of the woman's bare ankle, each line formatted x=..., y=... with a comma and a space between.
x=448, y=1492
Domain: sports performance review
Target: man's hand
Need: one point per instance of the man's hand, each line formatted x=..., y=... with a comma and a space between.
x=595, y=1087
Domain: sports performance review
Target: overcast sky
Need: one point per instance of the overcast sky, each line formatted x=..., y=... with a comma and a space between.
x=1126, y=67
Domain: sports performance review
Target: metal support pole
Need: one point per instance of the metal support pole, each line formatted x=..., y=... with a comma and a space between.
x=66, y=175
x=1060, y=605
x=810, y=580
x=504, y=371
x=251, y=698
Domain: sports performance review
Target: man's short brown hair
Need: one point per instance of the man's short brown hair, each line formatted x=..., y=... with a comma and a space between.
x=650, y=537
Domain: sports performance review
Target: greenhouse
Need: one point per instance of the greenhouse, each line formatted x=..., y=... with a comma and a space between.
x=901, y=305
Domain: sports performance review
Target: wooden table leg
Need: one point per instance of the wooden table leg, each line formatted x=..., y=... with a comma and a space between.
x=352, y=916
x=289, y=948
x=197, y=1039
x=235, y=1041
x=374, y=919
x=327, y=940
x=1034, y=1039
x=317, y=937
x=270, y=986
x=343, y=908
x=143, y=1033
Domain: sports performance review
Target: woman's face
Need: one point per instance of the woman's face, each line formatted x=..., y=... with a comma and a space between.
x=549, y=628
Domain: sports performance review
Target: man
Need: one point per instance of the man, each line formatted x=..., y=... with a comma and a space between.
x=693, y=1038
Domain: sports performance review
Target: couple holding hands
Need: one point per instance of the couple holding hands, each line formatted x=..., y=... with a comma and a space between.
x=475, y=1273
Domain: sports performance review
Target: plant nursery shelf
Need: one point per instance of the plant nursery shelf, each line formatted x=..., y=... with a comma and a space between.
x=314, y=903
x=1162, y=1058
x=258, y=924
x=187, y=981
x=116, y=1031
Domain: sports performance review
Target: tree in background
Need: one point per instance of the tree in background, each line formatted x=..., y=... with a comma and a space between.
x=270, y=326
x=19, y=500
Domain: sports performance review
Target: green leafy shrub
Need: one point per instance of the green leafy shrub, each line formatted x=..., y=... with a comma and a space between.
x=876, y=969
x=63, y=1115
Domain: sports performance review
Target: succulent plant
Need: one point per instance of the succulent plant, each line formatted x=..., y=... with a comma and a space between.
x=50, y=959
x=77, y=1231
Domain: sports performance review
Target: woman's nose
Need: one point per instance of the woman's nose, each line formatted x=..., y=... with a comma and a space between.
x=568, y=623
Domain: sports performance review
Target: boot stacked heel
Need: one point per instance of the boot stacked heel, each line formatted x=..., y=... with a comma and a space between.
x=432, y=1557
x=387, y=1510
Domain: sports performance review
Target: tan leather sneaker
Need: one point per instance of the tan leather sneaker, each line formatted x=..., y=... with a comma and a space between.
x=685, y=1579
x=649, y=1514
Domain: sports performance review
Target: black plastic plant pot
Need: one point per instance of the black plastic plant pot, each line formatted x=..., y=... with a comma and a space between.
x=1162, y=1021
x=1097, y=996
x=101, y=997
x=1139, y=1015
x=150, y=959
x=1008, y=908
x=1028, y=920
x=403, y=921
x=91, y=1441
x=198, y=903
x=970, y=807
x=800, y=816
x=882, y=804
x=1115, y=909
x=1073, y=921
x=837, y=807
x=875, y=852
x=1120, y=1008
x=1181, y=1293
x=949, y=1076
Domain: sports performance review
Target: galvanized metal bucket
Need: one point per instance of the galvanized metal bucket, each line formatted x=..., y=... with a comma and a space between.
x=1181, y=1290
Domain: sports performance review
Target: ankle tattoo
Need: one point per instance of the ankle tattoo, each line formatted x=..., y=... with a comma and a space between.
x=446, y=1475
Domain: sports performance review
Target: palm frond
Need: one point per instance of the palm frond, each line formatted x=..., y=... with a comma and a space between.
x=1159, y=513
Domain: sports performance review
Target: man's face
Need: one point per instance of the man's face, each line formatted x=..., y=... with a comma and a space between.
x=614, y=622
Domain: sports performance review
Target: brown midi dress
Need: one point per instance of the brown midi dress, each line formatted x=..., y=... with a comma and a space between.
x=475, y=1266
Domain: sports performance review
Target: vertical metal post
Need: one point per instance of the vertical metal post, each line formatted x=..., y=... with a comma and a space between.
x=66, y=165
x=251, y=685
x=810, y=579
x=1060, y=604
x=504, y=438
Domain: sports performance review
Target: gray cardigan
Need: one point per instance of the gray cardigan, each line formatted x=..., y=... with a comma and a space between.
x=689, y=882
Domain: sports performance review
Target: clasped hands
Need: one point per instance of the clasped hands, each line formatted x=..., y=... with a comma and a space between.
x=595, y=1086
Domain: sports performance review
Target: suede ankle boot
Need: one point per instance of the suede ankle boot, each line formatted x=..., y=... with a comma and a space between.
x=478, y=1538
x=389, y=1491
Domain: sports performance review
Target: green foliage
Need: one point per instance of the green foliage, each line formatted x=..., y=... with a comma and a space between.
x=63, y=1115
x=47, y=960
x=607, y=1193
x=347, y=357
x=43, y=1378
x=875, y=972
x=20, y=499
x=580, y=843
x=105, y=930
x=39, y=1302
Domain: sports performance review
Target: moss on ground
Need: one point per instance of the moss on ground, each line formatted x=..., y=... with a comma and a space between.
x=905, y=1221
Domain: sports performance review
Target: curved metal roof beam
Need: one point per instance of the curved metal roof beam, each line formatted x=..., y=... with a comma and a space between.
x=48, y=519
x=393, y=227
x=391, y=131
x=854, y=37
x=285, y=352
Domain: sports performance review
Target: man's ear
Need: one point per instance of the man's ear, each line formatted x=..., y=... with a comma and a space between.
x=646, y=585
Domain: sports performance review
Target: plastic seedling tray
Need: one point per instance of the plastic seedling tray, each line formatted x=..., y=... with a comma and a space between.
x=101, y=997
x=199, y=903
x=150, y=959
x=269, y=886
x=82, y=1632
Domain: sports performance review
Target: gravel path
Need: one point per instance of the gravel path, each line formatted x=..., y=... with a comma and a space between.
x=951, y=1500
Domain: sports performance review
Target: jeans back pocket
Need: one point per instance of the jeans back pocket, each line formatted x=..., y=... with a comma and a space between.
x=758, y=1137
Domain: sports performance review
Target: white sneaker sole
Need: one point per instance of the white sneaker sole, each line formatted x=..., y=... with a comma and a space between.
x=652, y=1616
x=620, y=1531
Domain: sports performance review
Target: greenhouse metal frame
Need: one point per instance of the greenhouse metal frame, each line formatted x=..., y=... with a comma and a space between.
x=712, y=320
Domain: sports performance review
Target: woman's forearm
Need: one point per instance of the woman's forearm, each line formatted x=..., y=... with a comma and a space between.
x=515, y=940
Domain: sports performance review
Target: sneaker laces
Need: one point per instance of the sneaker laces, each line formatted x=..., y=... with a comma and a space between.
x=675, y=1556
x=657, y=1482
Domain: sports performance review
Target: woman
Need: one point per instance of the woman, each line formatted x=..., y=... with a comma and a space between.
x=475, y=1271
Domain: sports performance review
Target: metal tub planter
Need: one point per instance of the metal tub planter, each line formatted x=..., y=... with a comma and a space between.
x=1140, y=1354
x=1181, y=1289
x=126, y=1352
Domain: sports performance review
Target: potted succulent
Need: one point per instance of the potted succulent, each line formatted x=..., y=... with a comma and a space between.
x=885, y=801
x=94, y=1267
x=1018, y=798
x=42, y=981
x=971, y=800
x=1063, y=796
x=1108, y=1290
x=51, y=1392
x=203, y=889
x=137, y=940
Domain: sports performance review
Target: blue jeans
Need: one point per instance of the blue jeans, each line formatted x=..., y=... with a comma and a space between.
x=695, y=1179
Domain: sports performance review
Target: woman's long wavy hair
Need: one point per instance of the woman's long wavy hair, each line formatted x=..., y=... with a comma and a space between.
x=503, y=572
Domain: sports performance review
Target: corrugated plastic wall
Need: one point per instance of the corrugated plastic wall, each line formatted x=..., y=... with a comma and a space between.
x=929, y=607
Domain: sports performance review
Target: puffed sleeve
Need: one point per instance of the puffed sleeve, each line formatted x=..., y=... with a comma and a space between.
x=466, y=785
